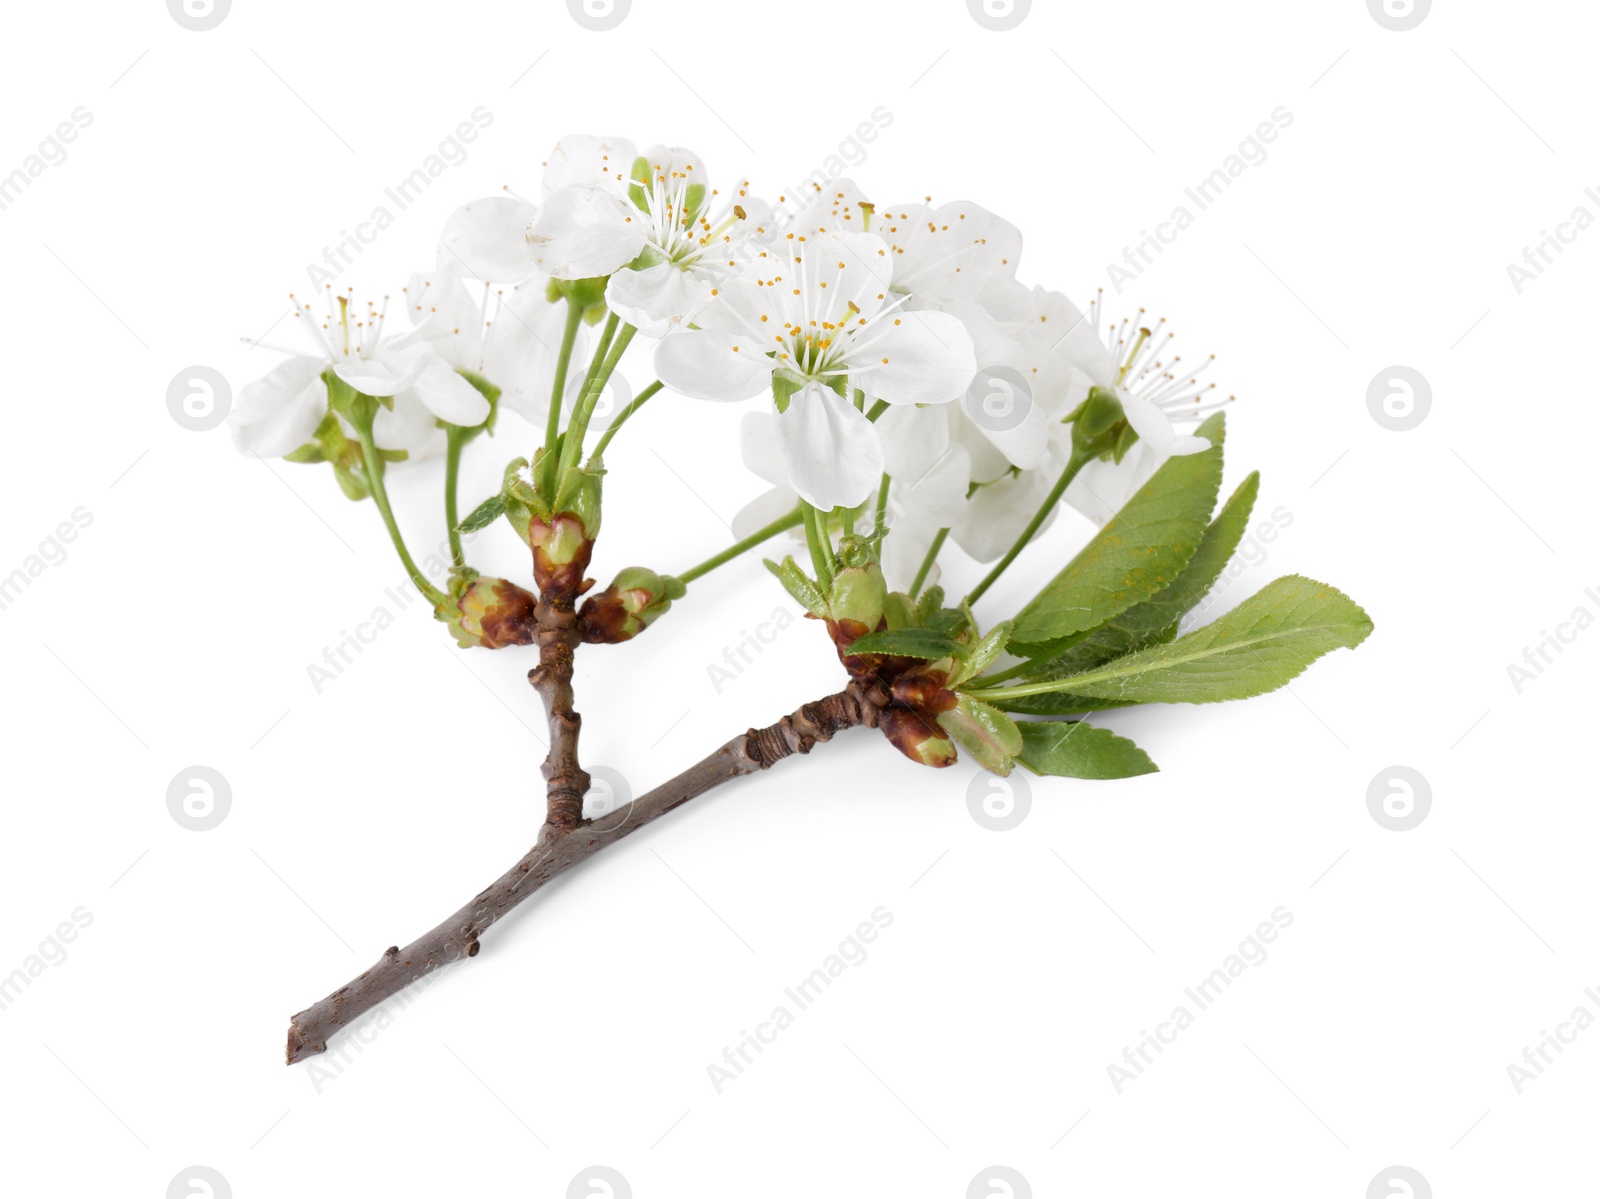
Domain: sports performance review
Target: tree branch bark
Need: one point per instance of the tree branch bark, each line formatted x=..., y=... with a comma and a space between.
x=566, y=781
x=559, y=848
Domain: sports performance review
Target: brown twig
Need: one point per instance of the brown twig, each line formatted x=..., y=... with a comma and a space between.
x=558, y=849
x=566, y=781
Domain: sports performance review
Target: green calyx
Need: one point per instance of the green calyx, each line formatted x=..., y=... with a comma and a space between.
x=1100, y=427
x=489, y=392
x=331, y=445
x=587, y=295
x=522, y=502
x=858, y=592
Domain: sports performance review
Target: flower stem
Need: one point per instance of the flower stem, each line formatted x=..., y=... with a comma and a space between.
x=1070, y=472
x=638, y=403
x=765, y=533
x=552, y=428
x=881, y=515
x=928, y=561
x=380, y=496
x=817, y=540
x=615, y=344
x=455, y=439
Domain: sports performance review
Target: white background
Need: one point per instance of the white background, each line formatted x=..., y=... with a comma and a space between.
x=180, y=626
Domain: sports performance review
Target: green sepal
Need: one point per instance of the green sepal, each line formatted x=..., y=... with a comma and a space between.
x=579, y=494
x=694, y=199
x=489, y=392
x=798, y=584
x=1098, y=425
x=331, y=445
x=641, y=177
x=985, y=732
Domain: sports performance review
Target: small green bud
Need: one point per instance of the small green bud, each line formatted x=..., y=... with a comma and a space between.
x=915, y=737
x=858, y=594
x=489, y=612
x=637, y=598
x=561, y=550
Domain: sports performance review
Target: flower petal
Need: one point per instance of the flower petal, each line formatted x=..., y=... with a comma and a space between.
x=385, y=372
x=488, y=239
x=904, y=550
x=835, y=206
x=712, y=365
x=674, y=163
x=523, y=348
x=1010, y=420
x=951, y=252
x=758, y=447
x=447, y=395
x=923, y=358
x=762, y=511
x=832, y=454
x=277, y=414
x=408, y=426
x=1155, y=429
x=443, y=311
x=658, y=298
x=937, y=497
x=585, y=161
x=997, y=514
x=914, y=439
x=1102, y=487
x=585, y=232
x=1059, y=331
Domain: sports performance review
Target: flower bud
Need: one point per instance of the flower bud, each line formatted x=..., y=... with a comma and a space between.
x=630, y=605
x=490, y=612
x=858, y=594
x=922, y=688
x=561, y=550
x=916, y=737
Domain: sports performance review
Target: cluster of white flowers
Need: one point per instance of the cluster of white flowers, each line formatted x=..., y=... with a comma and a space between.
x=890, y=341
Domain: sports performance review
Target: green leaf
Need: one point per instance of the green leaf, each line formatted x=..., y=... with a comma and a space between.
x=1072, y=749
x=984, y=655
x=1258, y=647
x=1140, y=552
x=988, y=734
x=485, y=514
x=1060, y=703
x=798, y=584
x=929, y=644
x=1156, y=620
x=929, y=603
